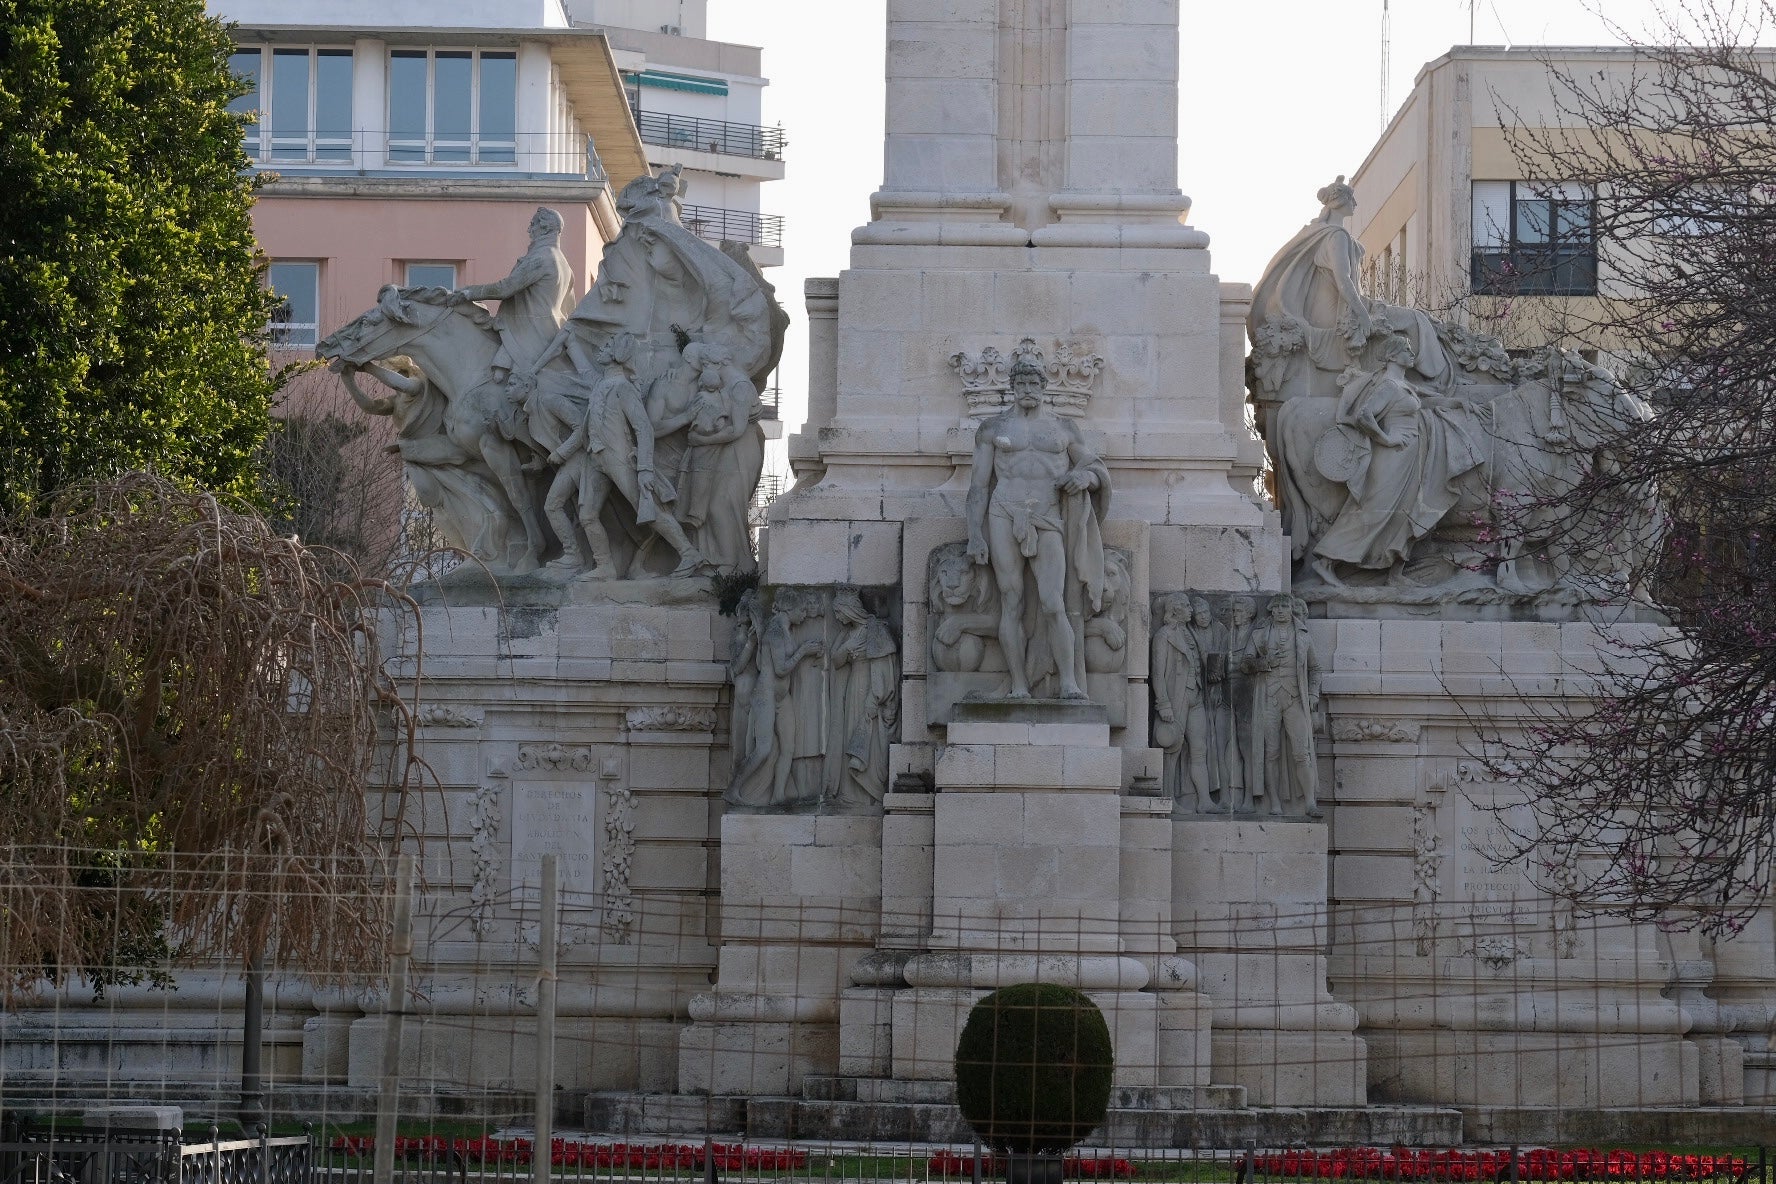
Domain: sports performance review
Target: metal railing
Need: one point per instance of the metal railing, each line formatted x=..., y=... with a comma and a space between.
x=739, y=226
x=770, y=400
x=83, y=1155
x=710, y=135
x=546, y=153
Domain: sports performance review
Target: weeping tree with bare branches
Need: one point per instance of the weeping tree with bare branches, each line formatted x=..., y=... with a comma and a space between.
x=190, y=708
x=1657, y=795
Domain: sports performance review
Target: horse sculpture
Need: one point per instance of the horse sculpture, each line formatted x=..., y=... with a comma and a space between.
x=455, y=346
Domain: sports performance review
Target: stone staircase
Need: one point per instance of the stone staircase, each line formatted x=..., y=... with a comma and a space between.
x=876, y=1110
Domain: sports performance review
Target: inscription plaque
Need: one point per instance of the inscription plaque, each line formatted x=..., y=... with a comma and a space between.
x=559, y=820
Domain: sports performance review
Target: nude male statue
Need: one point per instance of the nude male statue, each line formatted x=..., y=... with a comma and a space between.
x=1037, y=500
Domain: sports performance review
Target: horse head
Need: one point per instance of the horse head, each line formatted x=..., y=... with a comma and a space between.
x=401, y=316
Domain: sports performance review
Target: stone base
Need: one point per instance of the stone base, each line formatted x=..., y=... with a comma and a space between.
x=907, y=1112
x=1293, y=1068
x=1570, y=1070
x=754, y=1058
x=493, y=1051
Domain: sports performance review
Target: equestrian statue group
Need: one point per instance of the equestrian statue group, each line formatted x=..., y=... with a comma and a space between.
x=618, y=437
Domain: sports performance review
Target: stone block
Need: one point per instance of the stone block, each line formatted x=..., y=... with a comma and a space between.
x=1091, y=873
x=836, y=874
x=1372, y=877
x=1060, y=820
x=1290, y=878
x=964, y=872
x=754, y=1058
x=133, y=1118
x=1133, y=1019
x=1025, y=301
x=1359, y=647
x=927, y=1022
x=1412, y=647
x=1092, y=768
x=967, y=766
x=1033, y=766
x=1027, y=874
x=976, y=818
x=1322, y=1069
x=866, y=1032
x=1530, y=648
x=952, y=51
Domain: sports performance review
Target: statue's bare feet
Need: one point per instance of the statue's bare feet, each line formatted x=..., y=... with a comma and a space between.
x=1072, y=693
x=1315, y=812
x=1017, y=694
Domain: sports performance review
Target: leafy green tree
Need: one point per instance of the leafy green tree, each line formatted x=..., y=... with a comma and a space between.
x=132, y=313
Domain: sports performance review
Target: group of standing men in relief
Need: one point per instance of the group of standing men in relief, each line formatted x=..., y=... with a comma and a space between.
x=646, y=389
x=1234, y=705
x=816, y=701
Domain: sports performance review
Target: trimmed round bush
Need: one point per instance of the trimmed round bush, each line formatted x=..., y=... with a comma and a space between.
x=1033, y=1068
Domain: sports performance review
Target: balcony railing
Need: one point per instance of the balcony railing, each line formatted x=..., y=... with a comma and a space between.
x=739, y=226
x=710, y=135
x=545, y=153
x=770, y=399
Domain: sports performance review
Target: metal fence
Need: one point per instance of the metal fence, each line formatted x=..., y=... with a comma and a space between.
x=80, y=1155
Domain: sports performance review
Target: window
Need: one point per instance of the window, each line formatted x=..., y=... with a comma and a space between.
x=303, y=100
x=296, y=323
x=1534, y=238
x=453, y=106
x=431, y=275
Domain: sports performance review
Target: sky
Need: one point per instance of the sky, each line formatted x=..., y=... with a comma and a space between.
x=1276, y=98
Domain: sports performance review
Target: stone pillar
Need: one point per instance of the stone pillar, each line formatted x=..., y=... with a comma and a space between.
x=822, y=297
x=1251, y=901
x=369, y=103
x=535, y=72
x=800, y=904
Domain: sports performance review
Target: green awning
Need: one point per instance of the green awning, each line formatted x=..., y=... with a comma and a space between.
x=688, y=83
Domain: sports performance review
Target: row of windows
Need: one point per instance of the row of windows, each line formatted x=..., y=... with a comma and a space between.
x=445, y=106
x=297, y=322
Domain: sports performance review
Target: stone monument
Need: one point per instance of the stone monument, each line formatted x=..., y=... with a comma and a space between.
x=1027, y=422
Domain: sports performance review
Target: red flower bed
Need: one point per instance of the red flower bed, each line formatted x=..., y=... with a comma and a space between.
x=1364, y=1163
x=952, y=1164
x=562, y=1153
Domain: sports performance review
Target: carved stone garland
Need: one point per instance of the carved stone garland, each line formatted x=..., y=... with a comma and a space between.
x=619, y=857
x=484, y=826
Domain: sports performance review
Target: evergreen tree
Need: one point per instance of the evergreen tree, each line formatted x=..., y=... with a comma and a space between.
x=132, y=313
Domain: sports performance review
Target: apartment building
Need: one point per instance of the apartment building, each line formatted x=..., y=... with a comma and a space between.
x=1450, y=207
x=410, y=144
x=698, y=105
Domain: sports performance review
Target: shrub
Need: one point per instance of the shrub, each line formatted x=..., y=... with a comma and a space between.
x=1033, y=1068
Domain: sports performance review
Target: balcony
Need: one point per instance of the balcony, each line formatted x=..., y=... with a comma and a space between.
x=737, y=226
x=710, y=135
x=524, y=154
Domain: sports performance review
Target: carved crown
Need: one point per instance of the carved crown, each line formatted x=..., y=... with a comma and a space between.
x=986, y=377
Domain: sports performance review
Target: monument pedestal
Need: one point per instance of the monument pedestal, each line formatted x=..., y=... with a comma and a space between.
x=1252, y=916
x=1027, y=860
x=801, y=896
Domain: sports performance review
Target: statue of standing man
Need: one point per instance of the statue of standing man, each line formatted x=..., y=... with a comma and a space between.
x=1036, y=504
